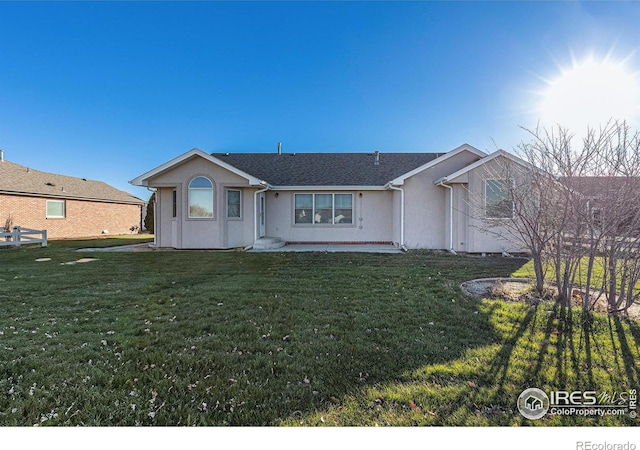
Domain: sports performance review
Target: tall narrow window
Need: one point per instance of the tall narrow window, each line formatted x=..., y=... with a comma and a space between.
x=324, y=210
x=201, y=198
x=344, y=208
x=304, y=208
x=498, y=201
x=174, y=202
x=56, y=209
x=233, y=203
x=597, y=219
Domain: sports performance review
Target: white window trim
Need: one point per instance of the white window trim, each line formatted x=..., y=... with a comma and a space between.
x=64, y=209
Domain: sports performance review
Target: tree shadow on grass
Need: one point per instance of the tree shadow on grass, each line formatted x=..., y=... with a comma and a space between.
x=500, y=364
x=634, y=328
x=260, y=340
x=355, y=348
x=561, y=353
x=446, y=331
x=628, y=345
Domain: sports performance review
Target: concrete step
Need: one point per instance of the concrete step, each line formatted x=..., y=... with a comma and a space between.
x=268, y=243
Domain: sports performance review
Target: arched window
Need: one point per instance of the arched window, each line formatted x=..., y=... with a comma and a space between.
x=201, y=198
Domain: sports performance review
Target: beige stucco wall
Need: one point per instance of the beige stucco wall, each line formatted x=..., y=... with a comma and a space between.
x=483, y=235
x=460, y=218
x=216, y=232
x=372, y=219
x=427, y=205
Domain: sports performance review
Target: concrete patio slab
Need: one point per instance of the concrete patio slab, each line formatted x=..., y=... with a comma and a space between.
x=327, y=248
x=120, y=248
x=330, y=248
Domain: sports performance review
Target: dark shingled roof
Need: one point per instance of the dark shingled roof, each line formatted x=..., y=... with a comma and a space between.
x=326, y=169
x=17, y=179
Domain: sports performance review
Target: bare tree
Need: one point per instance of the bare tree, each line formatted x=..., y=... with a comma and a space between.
x=576, y=208
x=615, y=214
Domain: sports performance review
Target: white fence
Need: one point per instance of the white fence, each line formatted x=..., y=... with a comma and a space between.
x=22, y=236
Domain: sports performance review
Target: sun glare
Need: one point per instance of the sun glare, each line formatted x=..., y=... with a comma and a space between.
x=589, y=94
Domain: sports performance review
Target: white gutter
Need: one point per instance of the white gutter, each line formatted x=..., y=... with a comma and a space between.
x=255, y=209
x=441, y=183
x=328, y=188
x=395, y=188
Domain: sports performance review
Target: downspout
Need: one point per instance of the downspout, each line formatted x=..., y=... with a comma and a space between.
x=395, y=188
x=155, y=215
x=256, y=212
x=450, y=215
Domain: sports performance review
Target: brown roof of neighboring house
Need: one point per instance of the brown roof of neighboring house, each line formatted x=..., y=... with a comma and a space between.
x=17, y=179
x=602, y=187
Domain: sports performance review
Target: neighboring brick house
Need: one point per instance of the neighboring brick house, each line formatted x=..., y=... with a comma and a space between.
x=67, y=207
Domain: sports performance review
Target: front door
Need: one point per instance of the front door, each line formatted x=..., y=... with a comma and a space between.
x=262, y=215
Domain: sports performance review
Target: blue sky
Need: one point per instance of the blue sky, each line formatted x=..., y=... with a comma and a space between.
x=109, y=90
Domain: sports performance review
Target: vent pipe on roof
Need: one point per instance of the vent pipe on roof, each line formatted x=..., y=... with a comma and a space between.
x=1, y=155
x=377, y=160
x=279, y=148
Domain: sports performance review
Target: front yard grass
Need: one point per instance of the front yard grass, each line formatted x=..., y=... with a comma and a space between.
x=234, y=338
x=107, y=241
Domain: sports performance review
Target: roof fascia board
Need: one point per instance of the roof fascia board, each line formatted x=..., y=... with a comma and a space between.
x=481, y=162
x=328, y=188
x=464, y=147
x=143, y=180
x=73, y=197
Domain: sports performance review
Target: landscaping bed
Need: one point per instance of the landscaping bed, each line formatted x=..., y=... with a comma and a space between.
x=521, y=290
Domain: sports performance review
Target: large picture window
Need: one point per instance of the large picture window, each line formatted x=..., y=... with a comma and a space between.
x=498, y=201
x=201, y=198
x=327, y=209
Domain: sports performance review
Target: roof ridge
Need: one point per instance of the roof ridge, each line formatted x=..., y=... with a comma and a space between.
x=31, y=169
x=327, y=153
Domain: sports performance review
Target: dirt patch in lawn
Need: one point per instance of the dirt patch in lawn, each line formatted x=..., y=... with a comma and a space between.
x=522, y=290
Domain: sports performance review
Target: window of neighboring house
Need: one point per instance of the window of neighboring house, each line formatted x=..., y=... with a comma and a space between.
x=174, y=202
x=56, y=209
x=201, y=198
x=498, y=202
x=596, y=219
x=233, y=203
x=325, y=209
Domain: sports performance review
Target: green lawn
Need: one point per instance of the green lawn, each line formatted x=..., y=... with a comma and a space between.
x=234, y=338
x=110, y=241
x=597, y=276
